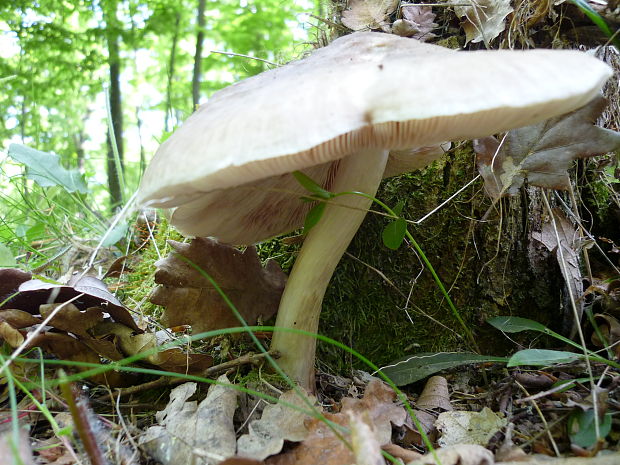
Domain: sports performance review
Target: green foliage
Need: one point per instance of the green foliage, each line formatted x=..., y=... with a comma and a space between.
x=54, y=70
x=416, y=367
x=45, y=169
x=582, y=427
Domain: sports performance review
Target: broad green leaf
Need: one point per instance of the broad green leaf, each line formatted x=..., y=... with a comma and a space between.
x=515, y=324
x=542, y=357
x=314, y=216
x=45, y=169
x=7, y=260
x=394, y=233
x=581, y=427
x=398, y=209
x=310, y=185
x=417, y=367
x=119, y=231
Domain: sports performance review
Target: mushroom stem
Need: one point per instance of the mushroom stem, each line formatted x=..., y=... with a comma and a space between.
x=325, y=244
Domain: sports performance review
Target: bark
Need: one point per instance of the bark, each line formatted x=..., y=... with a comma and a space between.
x=200, y=35
x=115, y=134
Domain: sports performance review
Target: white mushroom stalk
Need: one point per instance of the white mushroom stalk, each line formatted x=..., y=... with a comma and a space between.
x=323, y=248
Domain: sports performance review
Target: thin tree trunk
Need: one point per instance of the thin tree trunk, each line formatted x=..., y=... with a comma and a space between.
x=114, y=166
x=171, y=64
x=200, y=36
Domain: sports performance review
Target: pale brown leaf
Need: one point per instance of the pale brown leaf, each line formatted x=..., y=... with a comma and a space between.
x=18, y=318
x=277, y=424
x=128, y=343
x=417, y=22
x=378, y=400
x=464, y=427
x=71, y=319
x=16, y=448
x=461, y=454
x=10, y=335
x=190, y=299
x=543, y=153
x=194, y=433
x=368, y=14
x=567, y=253
x=364, y=440
x=435, y=395
x=483, y=20
x=321, y=445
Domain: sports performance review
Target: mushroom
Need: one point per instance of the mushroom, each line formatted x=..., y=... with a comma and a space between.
x=335, y=116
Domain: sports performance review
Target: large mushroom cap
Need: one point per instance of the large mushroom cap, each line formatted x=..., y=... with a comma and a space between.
x=226, y=168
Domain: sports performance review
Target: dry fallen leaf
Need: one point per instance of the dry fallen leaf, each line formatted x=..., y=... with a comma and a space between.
x=609, y=327
x=66, y=347
x=434, y=399
x=461, y=454
x=128, y=343
x=417, y=22
x=190, y=299
x=461, y=427
x=484, y=19
x=364, y=442
x=321, y=445
x=542, y=153
x=10, y=335
x=10, y=279
x=90, y=292
x=20, y=452
x=277, y=424
x=369, y=14
x=194, y=433
x=378, y=400
x=567, y=256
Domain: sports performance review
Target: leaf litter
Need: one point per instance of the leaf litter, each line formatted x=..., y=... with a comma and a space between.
x=190, y=299
x=542, y=153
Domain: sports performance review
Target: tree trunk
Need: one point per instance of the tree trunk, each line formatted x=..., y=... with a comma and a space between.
x=115, y=134
x=200, y=35
x=171, y=65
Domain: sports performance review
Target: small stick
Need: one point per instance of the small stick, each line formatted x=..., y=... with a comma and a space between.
x=171, y=381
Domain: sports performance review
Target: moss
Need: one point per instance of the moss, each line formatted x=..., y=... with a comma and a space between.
x=136, y=286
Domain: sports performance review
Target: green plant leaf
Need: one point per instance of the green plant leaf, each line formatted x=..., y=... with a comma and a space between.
x=314, y=216
x=45, y=169
x=7, y=260
x=398, y=209
x=416, y=367
x=310, y=185
x=542, y=357
x=119, y=232
x=394, y=233
x=515, y=324
x=581, y=429
x=596, y=18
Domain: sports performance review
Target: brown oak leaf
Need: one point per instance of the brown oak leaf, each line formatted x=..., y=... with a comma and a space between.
x=542, y=153
x=190, y=299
